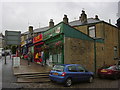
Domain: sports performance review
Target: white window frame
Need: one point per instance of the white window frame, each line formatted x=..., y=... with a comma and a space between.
x=91, y=31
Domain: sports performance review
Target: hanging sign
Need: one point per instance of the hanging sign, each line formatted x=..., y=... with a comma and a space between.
x=52, y=32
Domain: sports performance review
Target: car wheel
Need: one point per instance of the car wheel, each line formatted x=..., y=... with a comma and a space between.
x=90, y=79
x=68, y=82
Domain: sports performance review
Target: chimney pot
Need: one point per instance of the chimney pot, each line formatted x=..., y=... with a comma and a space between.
x=51, y=23
x=65, y=19
x=30, y=29
x=96, y=17
x=83, y=17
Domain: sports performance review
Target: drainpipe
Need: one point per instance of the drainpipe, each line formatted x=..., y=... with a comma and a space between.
x=95, y=56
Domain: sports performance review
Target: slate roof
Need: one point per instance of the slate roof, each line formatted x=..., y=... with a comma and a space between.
x=73, y=23
x=38, y=30
x=41, y=29
x=89, y=21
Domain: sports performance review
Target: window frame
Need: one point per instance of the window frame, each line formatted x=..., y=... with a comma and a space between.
x=92, y=29
x=115, y=48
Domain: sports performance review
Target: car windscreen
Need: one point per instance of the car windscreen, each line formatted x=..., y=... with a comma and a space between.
x=112, y=67
x=58, y=68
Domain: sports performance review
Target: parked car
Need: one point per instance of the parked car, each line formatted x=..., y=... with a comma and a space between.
x=109, y=72
x=69, y=73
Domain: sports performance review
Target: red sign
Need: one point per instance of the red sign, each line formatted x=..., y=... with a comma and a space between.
x=37, y=38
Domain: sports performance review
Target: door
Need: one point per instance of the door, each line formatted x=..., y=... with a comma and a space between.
x=72, y=72
x=82, y=74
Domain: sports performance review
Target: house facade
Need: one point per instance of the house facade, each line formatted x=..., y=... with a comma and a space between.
x=107, y=52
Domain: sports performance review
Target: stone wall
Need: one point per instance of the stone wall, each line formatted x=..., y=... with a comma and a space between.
x=77, y=51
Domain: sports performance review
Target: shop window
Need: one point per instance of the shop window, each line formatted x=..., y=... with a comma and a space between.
x=55, y=53
x=91, y=31
x=54, y=58
x=59, y=57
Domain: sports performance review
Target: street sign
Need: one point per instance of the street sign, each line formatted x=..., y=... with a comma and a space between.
x=12, y=37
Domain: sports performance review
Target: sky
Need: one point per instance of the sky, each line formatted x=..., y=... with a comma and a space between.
x=18, y=15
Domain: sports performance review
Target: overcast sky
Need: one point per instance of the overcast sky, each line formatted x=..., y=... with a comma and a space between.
x=19, y=14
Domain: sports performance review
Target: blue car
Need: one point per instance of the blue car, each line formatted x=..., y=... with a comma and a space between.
x=69, y=73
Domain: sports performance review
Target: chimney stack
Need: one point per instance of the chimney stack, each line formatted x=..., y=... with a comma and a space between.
x=83, y=17
x=51, y=23
x=96, y=17
x=30, y=31
x=65, y=19
x=110, y=21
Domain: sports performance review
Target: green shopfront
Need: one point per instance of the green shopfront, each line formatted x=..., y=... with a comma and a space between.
x=54, y=45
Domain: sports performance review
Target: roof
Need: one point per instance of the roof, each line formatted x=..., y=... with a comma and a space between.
x=72, y=23
x=38, y=30
x=89, y=21
x=41, y=29
x=68, y=31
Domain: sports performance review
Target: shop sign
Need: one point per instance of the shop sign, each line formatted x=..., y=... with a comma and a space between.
x=23, y=43
x=29, y=40
x=52, y=32
x=37, y=38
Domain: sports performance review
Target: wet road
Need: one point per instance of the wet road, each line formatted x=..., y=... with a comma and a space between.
x=98, y=83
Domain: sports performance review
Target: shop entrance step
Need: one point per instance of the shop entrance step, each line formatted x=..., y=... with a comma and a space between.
x=33, y=77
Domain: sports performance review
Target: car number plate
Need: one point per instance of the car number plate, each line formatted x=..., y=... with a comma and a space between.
x=103, y=71
x=55, y=73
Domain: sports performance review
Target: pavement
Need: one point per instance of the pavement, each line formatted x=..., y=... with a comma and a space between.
x=31, y=73
x=24, y=68
x=8, y=79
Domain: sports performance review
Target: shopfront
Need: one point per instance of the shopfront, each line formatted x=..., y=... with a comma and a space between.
x=38, y=51
x=54, y=46
x=23, y=48
x=30, y=47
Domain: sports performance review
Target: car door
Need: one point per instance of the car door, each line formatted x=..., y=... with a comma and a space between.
x=82, y=74
x=72, y=72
